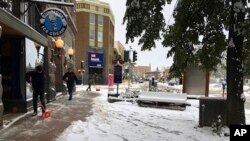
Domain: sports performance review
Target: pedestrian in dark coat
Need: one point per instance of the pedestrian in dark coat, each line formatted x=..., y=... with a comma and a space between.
x=90, y=81
x=37, y=80
x=70, y=79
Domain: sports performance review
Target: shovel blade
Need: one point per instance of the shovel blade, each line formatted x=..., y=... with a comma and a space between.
x=46, y=114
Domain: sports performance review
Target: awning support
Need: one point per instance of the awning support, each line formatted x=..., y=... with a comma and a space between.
x=31, y=2
x=29, y=5
x=52, y=2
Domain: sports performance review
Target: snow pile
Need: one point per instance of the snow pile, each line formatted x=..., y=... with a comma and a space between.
x=126, y=121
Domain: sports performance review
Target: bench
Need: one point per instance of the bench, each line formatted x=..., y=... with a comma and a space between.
x=163, y=99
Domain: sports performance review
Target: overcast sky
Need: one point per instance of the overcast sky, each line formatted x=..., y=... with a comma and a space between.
x=157, y=56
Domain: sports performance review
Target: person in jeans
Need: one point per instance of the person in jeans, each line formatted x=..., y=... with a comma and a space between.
x=70, y=78
x=37, y=80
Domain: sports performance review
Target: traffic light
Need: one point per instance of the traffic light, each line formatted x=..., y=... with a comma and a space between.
x=134, y=56
x=126, y=55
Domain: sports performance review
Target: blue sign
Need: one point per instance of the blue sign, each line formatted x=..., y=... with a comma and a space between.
x=95, y=60
x=53, y=22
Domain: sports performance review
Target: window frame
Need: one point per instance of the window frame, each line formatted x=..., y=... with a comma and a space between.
x=92, y=33
x=100, y=20
x=91, y=18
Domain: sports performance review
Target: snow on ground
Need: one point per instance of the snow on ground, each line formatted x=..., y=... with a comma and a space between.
x=124, y=121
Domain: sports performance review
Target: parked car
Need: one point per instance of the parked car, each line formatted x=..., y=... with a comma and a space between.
x=140, y=80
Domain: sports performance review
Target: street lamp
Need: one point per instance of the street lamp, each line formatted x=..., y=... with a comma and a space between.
x=38, y=46
x=70, y=53
x=59, y=43
x=82, y=69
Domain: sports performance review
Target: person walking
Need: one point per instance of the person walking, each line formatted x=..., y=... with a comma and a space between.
x=70, y=78
x=37, y=80
x=89, y=83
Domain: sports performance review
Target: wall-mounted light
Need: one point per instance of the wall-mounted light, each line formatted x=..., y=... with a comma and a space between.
x=59, y=43
x=38, y=46
x=70, y=52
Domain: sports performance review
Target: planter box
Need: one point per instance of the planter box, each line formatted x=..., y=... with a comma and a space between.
x=209, y=110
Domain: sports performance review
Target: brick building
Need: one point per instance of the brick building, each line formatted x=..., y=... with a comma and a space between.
x=95, y=39
x=141, y=71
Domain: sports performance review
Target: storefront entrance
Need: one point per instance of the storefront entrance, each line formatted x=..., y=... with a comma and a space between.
x=96, y=75
x=96, y=67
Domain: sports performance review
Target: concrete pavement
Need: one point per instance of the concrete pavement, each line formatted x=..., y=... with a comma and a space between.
x=29, y=128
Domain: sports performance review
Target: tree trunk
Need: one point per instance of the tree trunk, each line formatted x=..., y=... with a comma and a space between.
x=235, y=102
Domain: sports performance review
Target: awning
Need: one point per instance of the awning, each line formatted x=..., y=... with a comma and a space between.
x=14, y=26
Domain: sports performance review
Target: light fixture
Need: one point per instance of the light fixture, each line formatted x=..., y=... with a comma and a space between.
x=59, y=43
x=38, y=46
x=70, y=52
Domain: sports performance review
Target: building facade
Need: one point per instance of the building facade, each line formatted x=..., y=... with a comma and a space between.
x=24, y=44
x=94, y=40
x=141, y=71
x=119, y=49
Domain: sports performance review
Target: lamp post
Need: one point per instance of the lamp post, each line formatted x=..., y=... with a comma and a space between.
x=82, y=69
x=70, y=53
x=37, y=49
x=59, y=43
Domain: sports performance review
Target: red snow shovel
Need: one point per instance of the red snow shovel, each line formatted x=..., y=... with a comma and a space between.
x=46, y=114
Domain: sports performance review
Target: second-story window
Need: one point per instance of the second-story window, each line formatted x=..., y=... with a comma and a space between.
x=92, y=34
x=100, y=20
x=92, y=18
x=100, y=36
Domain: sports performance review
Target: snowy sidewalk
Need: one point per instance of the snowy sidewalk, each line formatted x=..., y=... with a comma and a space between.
x=28, y=128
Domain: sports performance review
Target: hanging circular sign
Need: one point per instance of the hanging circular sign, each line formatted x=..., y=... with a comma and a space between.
x=53, y=22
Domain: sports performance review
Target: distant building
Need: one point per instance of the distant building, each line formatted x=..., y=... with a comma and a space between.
x=164, y=73
x=95, y=39
x=155, y=74
x=119, y=49
x=141, y=71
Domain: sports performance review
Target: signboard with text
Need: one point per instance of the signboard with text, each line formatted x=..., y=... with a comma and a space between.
x=53, y=22
x=95, y=60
